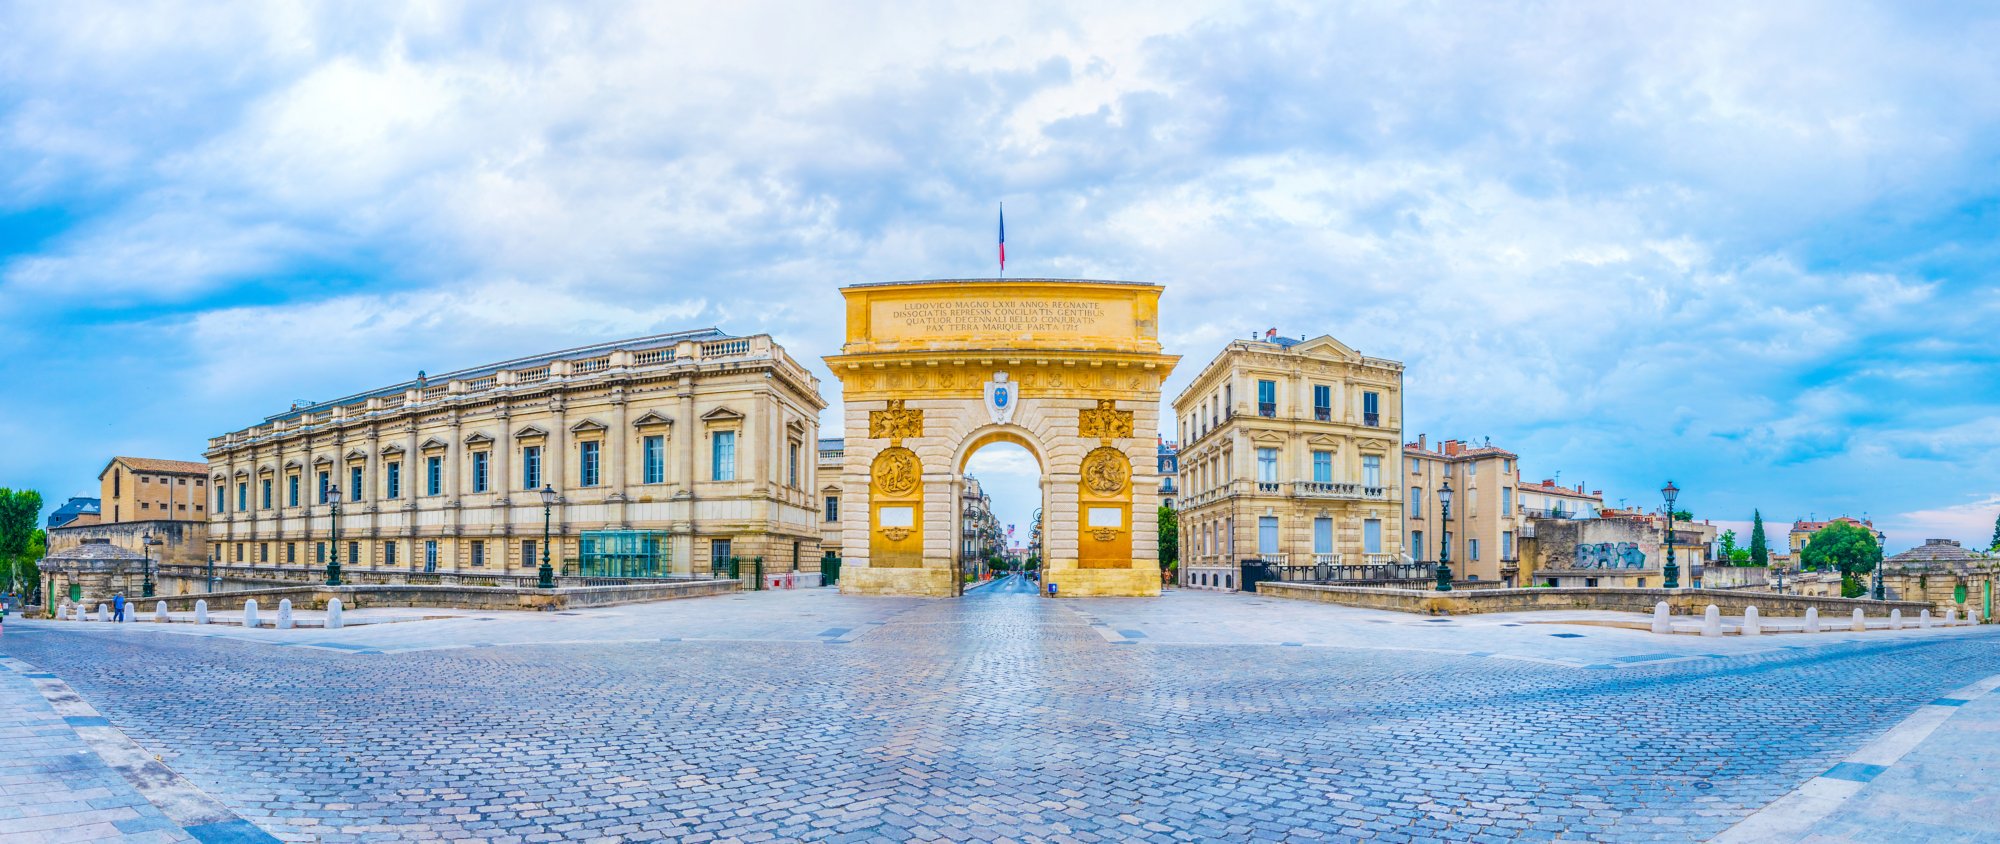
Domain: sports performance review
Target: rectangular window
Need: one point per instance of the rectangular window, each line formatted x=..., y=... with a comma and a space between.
x=291, y=490
x=1506, y=545
x=239, y=552
x=354, y=553
x=389, y=553
x=1267, y=534
x=1267, y=465
x=354, y=483
x=264, y=492
x=1416, y=545
x=1371, y=409
x=1322, y=535
x=531, y=467
x=1371, y=471
x=478, y=552
x=1472, y=501
x=1371, y=536
x=1472, y=549
x=434, y=476
x=430, y=555
x=263, y=552
x=480, y=460
x=832, y=508
x=319, y=553
x=718, y=552
x=291, y=553
x=242, y=496
x=722, y=456
x=1322, y=402
x=655, y=450
x=586, y=470
x=395, y=479
x=1267, y=398
x=528, y=553
x=220, y=503
x=1416, y=502
x=1506, y=501
x=1322, y=467
x=325, y=487
x=1472, y=469
x=792, y=467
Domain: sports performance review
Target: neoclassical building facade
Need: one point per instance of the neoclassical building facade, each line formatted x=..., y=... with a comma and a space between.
x=667, y=454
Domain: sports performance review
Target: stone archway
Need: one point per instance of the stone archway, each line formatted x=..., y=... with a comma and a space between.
x=1070, y=370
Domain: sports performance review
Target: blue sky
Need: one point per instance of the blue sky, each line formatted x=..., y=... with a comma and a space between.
x=1747, y=246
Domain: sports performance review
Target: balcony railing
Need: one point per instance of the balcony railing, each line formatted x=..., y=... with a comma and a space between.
x=1265, y=408
x=1323, y=414
x=1372, y=420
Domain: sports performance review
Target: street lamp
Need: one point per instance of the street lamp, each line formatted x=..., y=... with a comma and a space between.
x=150, y=541
x=333, y=559
x=548, y=575
x=1673, y=571
x=213, y=554
x=1444, y=548
x=1880, y=593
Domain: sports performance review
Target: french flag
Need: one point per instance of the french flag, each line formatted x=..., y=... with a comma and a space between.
x=1003, y=237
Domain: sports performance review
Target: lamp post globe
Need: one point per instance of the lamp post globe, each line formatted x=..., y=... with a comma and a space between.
x=333, y=555
x=1444, y=547
x=1673, y=569
x=547, y=579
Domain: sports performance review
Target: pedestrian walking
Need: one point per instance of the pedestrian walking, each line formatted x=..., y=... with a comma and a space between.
x=118, y=607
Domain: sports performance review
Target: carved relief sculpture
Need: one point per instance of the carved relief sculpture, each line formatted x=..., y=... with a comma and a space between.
x=895, y=423
x=1104, y=471
x=1106, y=422
x=897, y=471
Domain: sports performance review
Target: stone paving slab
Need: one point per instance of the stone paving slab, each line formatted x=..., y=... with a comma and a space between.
x=810, y=716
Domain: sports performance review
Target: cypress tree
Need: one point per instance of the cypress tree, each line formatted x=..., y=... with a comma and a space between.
x=1760, y=551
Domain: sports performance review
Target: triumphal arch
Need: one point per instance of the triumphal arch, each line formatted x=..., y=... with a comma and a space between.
x=934, y=370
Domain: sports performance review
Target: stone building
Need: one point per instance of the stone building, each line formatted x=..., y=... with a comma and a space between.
x=1290, y=454
x=667, y=454
x=1618, y=549
x=1940, y=572
x=145, y=489
x=91, y=572
x=1170, y=474
x=1485, y=524
x=832, y=451
x=979, y=532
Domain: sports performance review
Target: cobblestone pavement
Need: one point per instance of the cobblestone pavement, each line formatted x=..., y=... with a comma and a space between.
x=53, y=787
x=998, y=717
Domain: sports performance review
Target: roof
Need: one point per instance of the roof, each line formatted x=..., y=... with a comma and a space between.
x=154, y=464
x=636, y=344
x=1803, y=525
x=1935, y=551
x=96, y=550
x=1003, y=281
x=71, y=509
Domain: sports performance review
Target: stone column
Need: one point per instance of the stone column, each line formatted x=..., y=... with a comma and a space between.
x=690, y=469
x=617, y=453
x=554, y=460
x=454, y=490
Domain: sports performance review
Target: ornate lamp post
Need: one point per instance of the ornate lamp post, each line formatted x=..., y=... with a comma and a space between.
x=151, y=541
x=1444, y=548
x=548, y=575
x=212, y=557
x=1880, y=592
x=1673, y=570
x=333, y=558
x=1780, y=572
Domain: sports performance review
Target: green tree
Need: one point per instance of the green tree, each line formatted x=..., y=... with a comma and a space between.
x=1760, y=549
x=1847, y=548
x=1727, y=543
x=1170, y=537
x=1683, y=516
x=19, y=510
x=1995, y=544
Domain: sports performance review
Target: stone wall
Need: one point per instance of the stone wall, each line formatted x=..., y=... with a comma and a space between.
x=184, y=542
x=450, y=597
x=1734, y=577
x=1684, y=601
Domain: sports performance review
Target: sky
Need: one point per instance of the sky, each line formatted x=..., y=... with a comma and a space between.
x=1748, y=247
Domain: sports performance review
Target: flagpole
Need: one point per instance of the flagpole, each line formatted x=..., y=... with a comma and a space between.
x=1003, y=239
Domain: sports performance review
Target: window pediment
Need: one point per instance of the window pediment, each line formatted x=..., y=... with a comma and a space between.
x=587, y=426
x=531, y=432
x=721, y=415
x=1325, y=441
x=652, y=418
x=478, y=438
x=357, y=454
x=322, y=460
x=393, y=450
x=434, y=444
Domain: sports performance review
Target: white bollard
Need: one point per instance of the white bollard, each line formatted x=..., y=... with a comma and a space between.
x=333, y=621
x=250, y=613
x=1663, y=618
x=1711, y=621
x=1860, y=621
x=285, y=614
x=1924, y=620
x=160, y=611
x=1812, y=619
x=131, y=611
x=201, y=611
x=1750, y=625
x=1895, y=619
x=103, y=613
x=1950, y=617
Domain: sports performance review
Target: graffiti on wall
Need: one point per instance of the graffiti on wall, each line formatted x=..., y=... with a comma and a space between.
x=1610, y=555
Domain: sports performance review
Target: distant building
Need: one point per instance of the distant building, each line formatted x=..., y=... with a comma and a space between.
x=77, y=511
x=832, y=450
x=979, y=530
x=1170, y=474
x=1618, y=549
x=140, y=489
x=1291, y=455
x=1484, y=528
x=1940, y=572
x=1802, y=530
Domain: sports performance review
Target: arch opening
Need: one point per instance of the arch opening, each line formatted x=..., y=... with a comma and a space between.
x=1001, y=494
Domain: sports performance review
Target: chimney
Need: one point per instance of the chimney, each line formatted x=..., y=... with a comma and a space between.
x=1420, y=442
